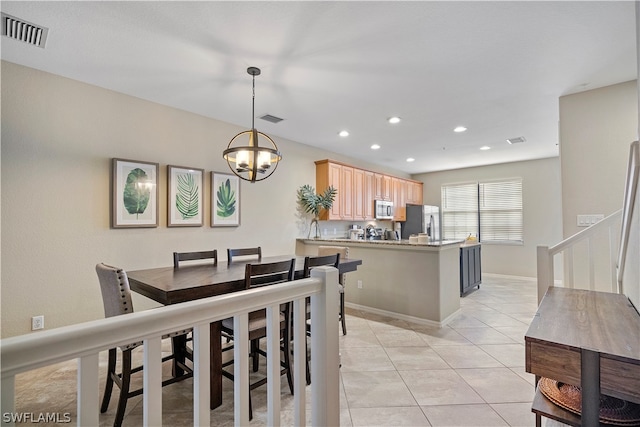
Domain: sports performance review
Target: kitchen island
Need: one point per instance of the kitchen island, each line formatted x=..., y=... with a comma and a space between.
x=418, y=282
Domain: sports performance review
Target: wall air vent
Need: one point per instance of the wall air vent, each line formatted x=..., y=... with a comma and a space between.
x=23, y=31
x=272, y=119
x=517, y=140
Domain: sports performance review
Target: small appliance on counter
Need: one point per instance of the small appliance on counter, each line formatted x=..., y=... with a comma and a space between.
x=356, y=234
x=373, y=233
x=391, y=235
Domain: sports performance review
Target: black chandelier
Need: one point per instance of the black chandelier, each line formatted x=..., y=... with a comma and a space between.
x=252, y=162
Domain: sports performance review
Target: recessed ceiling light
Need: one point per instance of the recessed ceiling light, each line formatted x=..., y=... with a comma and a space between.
x=485, y=147
x=394, y=120
x=375, y=147
x=460, y=129
x=343, y=133
x=410, y=159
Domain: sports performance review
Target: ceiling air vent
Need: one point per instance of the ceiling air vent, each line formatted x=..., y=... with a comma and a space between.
x=517, y=140
x=23, y=31
x=272, y=119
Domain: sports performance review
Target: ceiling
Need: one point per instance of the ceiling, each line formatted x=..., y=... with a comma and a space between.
x=497, y=68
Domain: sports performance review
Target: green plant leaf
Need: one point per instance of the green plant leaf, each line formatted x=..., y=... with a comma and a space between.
x=187, y=201
x=313, y=203
x=226, y=203
x=136, y=192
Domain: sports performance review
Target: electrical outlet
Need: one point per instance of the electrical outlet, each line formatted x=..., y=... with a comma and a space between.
x=359, y=284
x=37, y=322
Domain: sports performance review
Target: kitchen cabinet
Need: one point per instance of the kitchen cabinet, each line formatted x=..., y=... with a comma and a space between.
x=358, y=195
x=359, y=188
x=470, y=268
x=414, y=192
x=369, y=198
x=398, y=196
x=348, y=193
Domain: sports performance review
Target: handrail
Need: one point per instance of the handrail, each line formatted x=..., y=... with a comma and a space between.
x=586, y=233
x=84, y=341
x=545, y=261
x=631, y=190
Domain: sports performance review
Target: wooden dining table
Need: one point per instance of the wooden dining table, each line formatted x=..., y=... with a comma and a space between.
x=169, y=285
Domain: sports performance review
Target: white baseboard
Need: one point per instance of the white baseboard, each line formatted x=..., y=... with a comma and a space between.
x=399, y=316
x=557, y=282
x=506, y=276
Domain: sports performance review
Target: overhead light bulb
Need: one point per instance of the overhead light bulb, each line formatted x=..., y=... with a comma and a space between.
x=394, y=120
x=460, y=129
x=375, y=147
x=410, y=159
x=343, y=133
x=485, y=147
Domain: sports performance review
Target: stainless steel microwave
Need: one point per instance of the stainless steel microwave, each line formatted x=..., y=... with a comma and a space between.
x=384, y=209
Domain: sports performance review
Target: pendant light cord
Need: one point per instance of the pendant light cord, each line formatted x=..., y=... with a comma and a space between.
x=253, y=104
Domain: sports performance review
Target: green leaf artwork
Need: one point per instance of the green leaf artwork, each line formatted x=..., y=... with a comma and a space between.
x=136, y=192
x=226, y=202
x=187, y=200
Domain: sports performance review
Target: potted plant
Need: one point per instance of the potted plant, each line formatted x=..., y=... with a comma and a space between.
x=314, y=204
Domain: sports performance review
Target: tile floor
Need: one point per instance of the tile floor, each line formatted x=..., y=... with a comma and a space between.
x=394, y=373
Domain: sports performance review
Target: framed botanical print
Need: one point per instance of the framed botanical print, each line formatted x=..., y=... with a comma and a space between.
x=225, y=200
x=185, y=196
x=134, y=196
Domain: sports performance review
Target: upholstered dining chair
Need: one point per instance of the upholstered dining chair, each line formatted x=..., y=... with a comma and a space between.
x=263, y=275
x=244, y=252
x=344, y=253
x=116, y=298
x=310, y=262
x=194, y=256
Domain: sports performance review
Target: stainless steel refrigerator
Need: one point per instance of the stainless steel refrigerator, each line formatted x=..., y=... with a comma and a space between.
x=422, y=219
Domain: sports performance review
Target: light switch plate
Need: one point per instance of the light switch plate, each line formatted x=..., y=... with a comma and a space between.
x=587, y=220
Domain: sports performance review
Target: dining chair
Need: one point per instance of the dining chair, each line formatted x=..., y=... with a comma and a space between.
x=244, y=252
x=310, y=262
x=344, y=253
x=257, y=275
x=194, y=256
x=116, y=298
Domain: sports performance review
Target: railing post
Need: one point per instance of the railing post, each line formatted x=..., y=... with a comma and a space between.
x=201, y=375
x=273, y=365
x=325, y=361
x=545, y=271
x=152, y=382
x=299, y=361
x=8, y=398
x=88, y=399
x=241, y=370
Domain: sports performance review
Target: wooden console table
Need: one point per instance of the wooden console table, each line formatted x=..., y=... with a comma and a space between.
x=587, y=339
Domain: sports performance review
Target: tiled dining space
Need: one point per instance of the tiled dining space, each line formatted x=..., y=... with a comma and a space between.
x=394, y=372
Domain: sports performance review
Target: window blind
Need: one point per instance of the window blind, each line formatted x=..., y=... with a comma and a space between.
x=459, y=211
x=501, y=211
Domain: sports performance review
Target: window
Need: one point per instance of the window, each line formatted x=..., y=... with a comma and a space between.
x=490, y=210
x=501, y=211
x=459, y=211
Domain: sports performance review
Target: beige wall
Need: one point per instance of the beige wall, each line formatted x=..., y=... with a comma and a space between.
x=542, y=211
x=596, y=129
x=58, y=136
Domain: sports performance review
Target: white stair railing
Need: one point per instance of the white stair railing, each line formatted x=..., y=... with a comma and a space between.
x=609, y=226
x=85, y=341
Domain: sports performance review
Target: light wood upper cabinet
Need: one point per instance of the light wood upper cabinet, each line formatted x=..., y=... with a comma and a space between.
x=348, y=192
x=414, y=193
x=358, y=189
x=369, y=196
x=358, y=195
x=399, y=199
